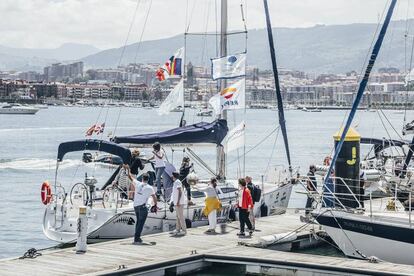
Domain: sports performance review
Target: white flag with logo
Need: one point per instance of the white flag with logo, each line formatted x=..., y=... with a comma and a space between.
x=235, y=137
x=231, y=97
x=228, y=67
x=173, y=100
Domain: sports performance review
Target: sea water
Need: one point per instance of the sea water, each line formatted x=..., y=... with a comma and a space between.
x=28, y=149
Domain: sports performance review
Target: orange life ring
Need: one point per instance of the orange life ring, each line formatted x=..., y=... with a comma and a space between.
x=45, y=193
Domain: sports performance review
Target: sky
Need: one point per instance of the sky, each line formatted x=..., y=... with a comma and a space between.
x=105, y=23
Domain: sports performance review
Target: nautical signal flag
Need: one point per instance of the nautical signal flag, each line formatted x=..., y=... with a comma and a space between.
x=231, y=97
x=228, y=67
x=172, y=67
x=97, y=128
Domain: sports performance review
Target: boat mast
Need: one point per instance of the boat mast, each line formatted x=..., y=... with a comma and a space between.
x=281, y=113
x=221, y=155
x=362, y=86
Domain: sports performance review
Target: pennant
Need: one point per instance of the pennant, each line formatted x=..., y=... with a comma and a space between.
x=231, y=97
x=90, y=131
x=173, y=100
x=96, y=128
x=235, y=137
x=172, y=67
x=228, y=67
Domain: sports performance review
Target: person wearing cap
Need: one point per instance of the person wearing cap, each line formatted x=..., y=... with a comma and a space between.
x=311, y=186
x=143, y=192
x=178, y=200
x=212, y=204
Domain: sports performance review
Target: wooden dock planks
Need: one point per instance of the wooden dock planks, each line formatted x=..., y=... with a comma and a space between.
x=109, y=256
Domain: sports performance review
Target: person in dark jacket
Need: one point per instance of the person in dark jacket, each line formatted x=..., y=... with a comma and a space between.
x=184, y=172
x=136, y=163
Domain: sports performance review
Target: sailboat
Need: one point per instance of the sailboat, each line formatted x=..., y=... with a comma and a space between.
x=373, y=231
x=112, y=217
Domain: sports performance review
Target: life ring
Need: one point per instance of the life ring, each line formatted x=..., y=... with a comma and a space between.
x=45, y=193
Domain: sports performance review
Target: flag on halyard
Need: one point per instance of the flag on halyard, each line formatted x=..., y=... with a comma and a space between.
x=172, y=67
x=228, y=67
x=235, y=137
x=173, y=100
x=231, y=97
x=96, y=128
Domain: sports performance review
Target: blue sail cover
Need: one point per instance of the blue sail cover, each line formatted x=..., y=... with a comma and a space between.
x=93, y=144
x=202, y=132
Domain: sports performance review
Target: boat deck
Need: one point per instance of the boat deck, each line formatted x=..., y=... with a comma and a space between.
x=121, y=257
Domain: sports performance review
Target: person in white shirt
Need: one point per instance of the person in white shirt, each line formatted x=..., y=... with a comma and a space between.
x=143, y=192
x=179, y=200
x=159, y=165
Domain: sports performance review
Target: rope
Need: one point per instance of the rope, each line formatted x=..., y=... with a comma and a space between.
x=142, y=32
x=352, y=244
x=258, y=144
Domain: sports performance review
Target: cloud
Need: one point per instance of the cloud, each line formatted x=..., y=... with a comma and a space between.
x=105, y=23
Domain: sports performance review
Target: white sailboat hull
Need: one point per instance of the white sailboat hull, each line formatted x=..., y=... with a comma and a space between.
x=107, y=224
x=360, y=236
x=23, y=111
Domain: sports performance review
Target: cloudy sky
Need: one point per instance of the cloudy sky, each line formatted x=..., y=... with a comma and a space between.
x=105, y=23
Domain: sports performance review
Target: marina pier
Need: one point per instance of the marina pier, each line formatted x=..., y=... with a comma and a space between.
x=197, y=250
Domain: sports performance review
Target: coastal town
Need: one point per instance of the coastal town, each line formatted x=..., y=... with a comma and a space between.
x=69, y=84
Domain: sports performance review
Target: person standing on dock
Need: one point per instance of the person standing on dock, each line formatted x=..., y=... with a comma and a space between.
x=311, y=186
x=250, y=186
x=158, y=157
x=178, y=199
x=143, y=192
x=245, y=205
x=212, y=204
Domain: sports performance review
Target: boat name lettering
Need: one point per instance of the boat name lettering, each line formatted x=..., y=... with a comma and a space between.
x=360, y=226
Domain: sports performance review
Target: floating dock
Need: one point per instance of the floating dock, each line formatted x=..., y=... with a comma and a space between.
x=197, y=250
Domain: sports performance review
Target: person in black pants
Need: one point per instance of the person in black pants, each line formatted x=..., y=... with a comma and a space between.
x=184, y=172
x=245, y=205
x=143, y=192
x=311, y=185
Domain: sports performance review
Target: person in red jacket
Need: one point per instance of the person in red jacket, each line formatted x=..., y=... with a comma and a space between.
x=245, y=205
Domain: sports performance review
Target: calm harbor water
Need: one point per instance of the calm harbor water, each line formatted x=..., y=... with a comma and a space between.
x=28, y=148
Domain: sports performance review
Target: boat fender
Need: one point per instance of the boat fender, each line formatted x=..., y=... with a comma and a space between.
x=278, y=238
x=188, y=223
x=264, y=210
x=45, y=193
